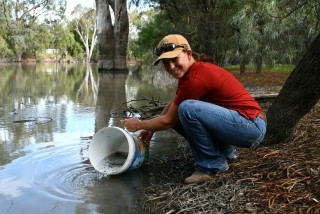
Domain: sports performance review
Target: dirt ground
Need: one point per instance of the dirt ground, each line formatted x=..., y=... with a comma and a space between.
x=283, y=178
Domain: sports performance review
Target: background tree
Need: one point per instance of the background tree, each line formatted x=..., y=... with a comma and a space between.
x=242, y=32
x=206, y=24
x=151, y=26
x=59, y=35
x=38, y=39
x=298, y=96
x=20, y=16
x=296, y=26
x=4, y=49
x=85, y=26
x=301, y=91
x=63, y=40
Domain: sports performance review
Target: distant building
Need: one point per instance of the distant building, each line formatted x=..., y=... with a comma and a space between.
x=52, y=51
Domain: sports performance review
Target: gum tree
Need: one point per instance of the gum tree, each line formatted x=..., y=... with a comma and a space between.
x=299, y=95
x=301, y=91
x=112, y=34
x=85, y=27
x=21, y=15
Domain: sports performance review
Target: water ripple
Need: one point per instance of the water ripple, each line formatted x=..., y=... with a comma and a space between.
x=62, y=173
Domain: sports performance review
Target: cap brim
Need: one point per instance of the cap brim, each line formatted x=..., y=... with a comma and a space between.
x=168, y=55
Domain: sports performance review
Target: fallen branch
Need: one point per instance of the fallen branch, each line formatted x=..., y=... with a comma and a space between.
x=154, y=107
x=259, y=97
x=37, y=120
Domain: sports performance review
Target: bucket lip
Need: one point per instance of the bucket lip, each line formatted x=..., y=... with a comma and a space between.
x=131, y=151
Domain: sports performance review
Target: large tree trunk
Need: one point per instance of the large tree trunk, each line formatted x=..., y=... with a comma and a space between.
x=112, y=37
x=105, y=35
x=297, y=97
x=121, y=33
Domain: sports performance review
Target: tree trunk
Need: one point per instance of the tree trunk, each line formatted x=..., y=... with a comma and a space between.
x=104, y=35
x=298, y=96
x=242, y=65
x=258, y=60
x=112, y=38
x=121, y=33
x=242, y=51
x=242, y=68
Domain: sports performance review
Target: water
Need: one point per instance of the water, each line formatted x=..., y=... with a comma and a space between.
x=48, y=114
x=113, y=162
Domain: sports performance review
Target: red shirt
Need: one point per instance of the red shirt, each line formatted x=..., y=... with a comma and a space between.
x=211, y=83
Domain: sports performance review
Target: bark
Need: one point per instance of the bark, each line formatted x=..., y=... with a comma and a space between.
x=84, y=37
x=242, y=52
x=242, y=63
x=104, y=35
x=258, y=64
x=242, y=67
x=112, y=38
x=298, y=96
x=121, y=33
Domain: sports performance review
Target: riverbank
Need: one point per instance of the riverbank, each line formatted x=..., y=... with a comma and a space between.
x=47, y=59
x=281, y=178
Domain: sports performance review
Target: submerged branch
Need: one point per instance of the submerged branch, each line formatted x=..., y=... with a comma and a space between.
x=37, y=120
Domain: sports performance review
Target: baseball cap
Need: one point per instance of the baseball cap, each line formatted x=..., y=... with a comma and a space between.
x=170, y=47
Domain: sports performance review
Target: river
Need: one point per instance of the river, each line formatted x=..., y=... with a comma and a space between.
x=48, y=114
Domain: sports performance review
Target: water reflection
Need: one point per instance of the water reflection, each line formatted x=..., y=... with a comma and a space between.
x=89, y=80
x=44, y=165
x=32, y=91
x=111, y=96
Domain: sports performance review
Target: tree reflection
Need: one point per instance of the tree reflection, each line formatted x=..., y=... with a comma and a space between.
x=88, y=79
x=111, y=96
x=38, y=91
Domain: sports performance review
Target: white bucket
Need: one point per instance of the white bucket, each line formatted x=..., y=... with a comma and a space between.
x=113, y=150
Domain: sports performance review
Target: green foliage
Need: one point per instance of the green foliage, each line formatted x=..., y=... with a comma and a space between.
x=42, y=57
x=4, y=49
x=232, y=31
x=281, y=68
x=20, y=23
x=23, y=34
x=275, y=68
x=76, y=50
x=251, y=32
x=84, y=24
x=150, y=31
x=204, y=23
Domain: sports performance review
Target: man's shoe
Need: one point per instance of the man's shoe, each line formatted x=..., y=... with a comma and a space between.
x=198, y=177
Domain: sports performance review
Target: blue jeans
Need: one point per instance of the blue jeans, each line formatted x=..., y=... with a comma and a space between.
x=213, y=131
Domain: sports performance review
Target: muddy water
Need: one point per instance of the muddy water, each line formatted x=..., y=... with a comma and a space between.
x=48, y=114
